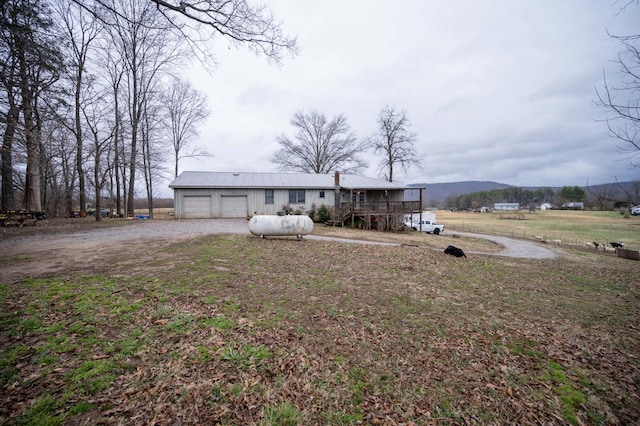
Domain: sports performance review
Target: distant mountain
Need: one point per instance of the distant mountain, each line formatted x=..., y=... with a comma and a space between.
x=438, y=192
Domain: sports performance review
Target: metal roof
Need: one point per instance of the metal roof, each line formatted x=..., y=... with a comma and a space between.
x=277, y=180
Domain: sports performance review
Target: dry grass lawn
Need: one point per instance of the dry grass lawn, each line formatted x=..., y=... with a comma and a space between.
x=233, y=329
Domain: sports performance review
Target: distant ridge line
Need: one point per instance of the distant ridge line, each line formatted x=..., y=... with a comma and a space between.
x=439, y=192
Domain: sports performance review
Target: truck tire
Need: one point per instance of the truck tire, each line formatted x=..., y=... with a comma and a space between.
x=436, y=231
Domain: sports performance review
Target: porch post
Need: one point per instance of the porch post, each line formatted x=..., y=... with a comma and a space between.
x=421, y=207
x=336, y=201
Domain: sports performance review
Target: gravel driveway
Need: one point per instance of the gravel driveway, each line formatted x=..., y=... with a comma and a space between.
x=68, y=245
x=52, y=248
x=515, y=248
x=143, y=230
x=75, y=244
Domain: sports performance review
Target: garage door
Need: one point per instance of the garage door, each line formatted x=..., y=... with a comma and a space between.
x=234, y=206
x=197, y=207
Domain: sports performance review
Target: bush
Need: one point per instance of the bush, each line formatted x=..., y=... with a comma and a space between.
x=322, y=213
x=312, y=212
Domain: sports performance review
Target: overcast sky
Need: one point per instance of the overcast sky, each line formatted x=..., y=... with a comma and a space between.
x=498, y=90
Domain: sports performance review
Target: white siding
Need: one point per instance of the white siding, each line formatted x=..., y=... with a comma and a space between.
x=254, y=201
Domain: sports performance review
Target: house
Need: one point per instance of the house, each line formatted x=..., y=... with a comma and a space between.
x=545, y=206
x=244, y=194
x=506, y=206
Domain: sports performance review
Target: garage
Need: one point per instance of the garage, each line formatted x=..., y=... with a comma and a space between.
x=233, y=206
x=197, y=207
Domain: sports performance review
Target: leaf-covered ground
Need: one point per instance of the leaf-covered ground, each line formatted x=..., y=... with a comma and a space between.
x=231, y=329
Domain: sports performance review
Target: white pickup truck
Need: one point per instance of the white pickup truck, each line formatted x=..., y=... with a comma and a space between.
x=427, y=224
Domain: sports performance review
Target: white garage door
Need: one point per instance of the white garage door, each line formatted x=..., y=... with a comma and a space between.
x=197, y=207
x=234, y=206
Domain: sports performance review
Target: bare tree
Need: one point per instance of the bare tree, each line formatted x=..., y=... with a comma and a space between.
x=149, y=49
x=602, y=196
x=114, y=74
x=320, y=145
x=631, y=192
x=81, y=29
x=622, y=99
x=185, y=109
x=394, y=141
x=58, y=167
x=95, y=113
x=200, y=21
x=153, y=152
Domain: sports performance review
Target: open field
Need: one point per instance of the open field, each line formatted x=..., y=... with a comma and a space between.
x=233, y=329
x=571, y=227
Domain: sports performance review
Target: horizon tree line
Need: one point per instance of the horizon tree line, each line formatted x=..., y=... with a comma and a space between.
x=603, y=197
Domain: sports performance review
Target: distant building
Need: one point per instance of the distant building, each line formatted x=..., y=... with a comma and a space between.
x=506, y=207
x=545, y=206
x=574, y=205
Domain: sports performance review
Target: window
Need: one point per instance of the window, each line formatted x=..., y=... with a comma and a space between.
x=296, y=196
x=321, y=194
x=268, y=196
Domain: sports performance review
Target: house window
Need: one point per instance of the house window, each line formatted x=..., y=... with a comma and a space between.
x=321, y=194
x=296, y=196
x=268, y=196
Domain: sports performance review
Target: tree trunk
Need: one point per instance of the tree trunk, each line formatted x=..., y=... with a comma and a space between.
x=132, y=173
x=98, y=182
x=8, y=193
x=68, y=188
x=32, y=190
x=79, y=152
x=135, y=122
x=32, y=186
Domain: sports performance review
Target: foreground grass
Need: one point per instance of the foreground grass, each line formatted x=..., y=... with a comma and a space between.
x=239, y=330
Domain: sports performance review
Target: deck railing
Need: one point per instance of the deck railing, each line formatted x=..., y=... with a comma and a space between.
x=377, y=208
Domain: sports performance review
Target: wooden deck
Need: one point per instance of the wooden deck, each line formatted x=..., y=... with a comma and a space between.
x=385, y=216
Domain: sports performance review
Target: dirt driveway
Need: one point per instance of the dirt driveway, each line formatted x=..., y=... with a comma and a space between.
x=55, y=246
x=68, y=244
x=516, y=248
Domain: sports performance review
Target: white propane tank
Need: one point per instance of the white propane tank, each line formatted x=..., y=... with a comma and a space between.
x=268, y=225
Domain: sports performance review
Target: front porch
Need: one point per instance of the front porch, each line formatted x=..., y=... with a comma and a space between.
x=382, y=216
